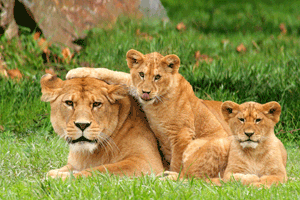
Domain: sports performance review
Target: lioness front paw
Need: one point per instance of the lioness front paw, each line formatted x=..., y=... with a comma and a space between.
x=56, y=173
x=80, y=72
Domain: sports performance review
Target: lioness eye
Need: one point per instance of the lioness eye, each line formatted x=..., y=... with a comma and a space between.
x=97, y=104
x=157, y=77
x=257, y=120
x=142, y=74
x=242, y=120
x=69, y=103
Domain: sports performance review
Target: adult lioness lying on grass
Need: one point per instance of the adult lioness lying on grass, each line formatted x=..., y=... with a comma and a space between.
x=104, y=127
x=175, y=114
x=256, y=155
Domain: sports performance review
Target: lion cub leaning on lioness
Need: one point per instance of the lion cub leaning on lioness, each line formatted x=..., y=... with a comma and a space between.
x=105, y=128
x=256, y=155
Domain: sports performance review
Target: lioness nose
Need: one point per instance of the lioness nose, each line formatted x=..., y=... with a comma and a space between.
x=148, y=92
x=82, y=126
x=249, y=134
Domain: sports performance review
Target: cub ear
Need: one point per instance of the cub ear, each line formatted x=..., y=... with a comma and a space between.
x=134, y=58
x=272, y=110
x=116, y=92
x=51, y=87
x=229, y=109
x=172, y=63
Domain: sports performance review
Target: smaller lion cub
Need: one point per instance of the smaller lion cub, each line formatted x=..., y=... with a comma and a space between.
x=256, y=155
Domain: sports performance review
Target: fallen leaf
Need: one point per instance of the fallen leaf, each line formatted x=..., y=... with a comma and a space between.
x=283, y=28
x=36, y=35
x=143, y=35
x=50, y=71
x=1, y=128
x=14, y=74
x=180, y=26
x=44, y=45
x=202, y=57
x=3, y=72
x=67, y=55
x=241, y=48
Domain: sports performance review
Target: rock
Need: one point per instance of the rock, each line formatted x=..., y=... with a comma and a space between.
x=8, y=25
x=64, y=21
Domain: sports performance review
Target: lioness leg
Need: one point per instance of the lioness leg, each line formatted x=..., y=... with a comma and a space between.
x=132, y=166
x=209, y=160
x=61, y=172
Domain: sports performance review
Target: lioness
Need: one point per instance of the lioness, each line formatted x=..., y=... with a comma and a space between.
x=104, y=127
x=175, y=114
x=256, y=155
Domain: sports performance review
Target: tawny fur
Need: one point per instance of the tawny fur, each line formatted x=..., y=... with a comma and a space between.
x=125, y=144
x=177, y=117
x=261, y=158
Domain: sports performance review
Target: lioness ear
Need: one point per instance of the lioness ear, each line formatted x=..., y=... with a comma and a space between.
x=272, y=110
x=51, y=87
x=134, y=58
x=229, y=109
x=172, y=63
x=116, y=92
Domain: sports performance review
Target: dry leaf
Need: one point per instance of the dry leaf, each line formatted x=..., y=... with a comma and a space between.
x=67, y=54
x=202, y=57
x=14, y=73
x=283, y=28
x=1, y=128
x=180, y=26
x=36, y=35
x=50, y=71
x=241, y=48
x=143, y=35
x=3, y=71
x=44, y=45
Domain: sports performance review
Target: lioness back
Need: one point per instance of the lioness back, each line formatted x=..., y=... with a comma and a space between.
x=104, y=127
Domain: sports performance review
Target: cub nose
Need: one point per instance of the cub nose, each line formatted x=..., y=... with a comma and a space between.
x=82, y=125
x=249, y=134
x=148, y=92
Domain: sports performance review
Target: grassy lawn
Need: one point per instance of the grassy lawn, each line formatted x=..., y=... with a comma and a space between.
x=267, y=71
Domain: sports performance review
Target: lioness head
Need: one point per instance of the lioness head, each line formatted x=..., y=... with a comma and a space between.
x=152, y=74
x=84, y=111
x=251, y=123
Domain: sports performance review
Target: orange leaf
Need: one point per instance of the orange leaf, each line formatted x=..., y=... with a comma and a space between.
x=14, y=73
x=241, y=48
x=44, y=45
x=67, y=54
x=202, y=57
x=36, y=35
x=283, y=28
x=180, y=26
x=1, y=128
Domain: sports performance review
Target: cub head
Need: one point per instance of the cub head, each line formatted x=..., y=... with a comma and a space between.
x=85, y=111
x=251, y=123
x=152, y=74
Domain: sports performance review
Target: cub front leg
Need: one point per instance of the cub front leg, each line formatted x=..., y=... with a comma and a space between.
x=109, y=76
x=270, y=180
x=246, y=179
x=179, y=143
x=62, y=172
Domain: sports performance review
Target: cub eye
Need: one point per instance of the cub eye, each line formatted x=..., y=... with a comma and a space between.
x=135, y=61
x=96, y=104
x=69, y=103
x=257, y=120
x=157, y=77
x=141, y=74
x=242, y=120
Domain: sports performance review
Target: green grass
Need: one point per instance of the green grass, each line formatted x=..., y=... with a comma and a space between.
x=267, y=71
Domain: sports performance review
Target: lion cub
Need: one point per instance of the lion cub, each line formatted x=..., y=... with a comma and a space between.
x=256, y=155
